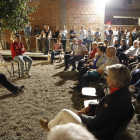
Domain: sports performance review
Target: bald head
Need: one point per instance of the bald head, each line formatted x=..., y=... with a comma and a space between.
x=111, y=51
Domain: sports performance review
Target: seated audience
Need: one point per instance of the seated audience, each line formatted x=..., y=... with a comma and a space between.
x=70, y=131
x=18, y=50
x=8, y=85
x=116, y=45
x=128, y=54
x=76, y=55
x=93, y=74
x=135, y=57
x=106, y=43
x=56, y=49
x=90, y=56
x=101, y=59
x=123, y=47
x=73, y=44
x=107, y=116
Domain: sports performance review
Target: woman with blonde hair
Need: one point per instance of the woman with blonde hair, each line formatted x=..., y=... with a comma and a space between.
x=108, y=115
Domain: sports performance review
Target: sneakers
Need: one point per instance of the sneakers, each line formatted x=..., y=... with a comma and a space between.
x=18, y=90
x=136, y=103
x=66, y=68
x=132, y=89
x=24, y=76
x=44, y=124
x=76, y=83
x=73, y=69
x=28, y=74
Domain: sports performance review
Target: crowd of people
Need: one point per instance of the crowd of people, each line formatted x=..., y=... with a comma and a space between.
x=118, y=60
x=44, y=36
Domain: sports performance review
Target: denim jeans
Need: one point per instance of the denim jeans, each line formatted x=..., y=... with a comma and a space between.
x=53, y=54
x=109, y=40
x=88, y=44
x=21, y=59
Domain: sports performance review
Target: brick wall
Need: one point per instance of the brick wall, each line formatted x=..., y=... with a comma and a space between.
x=82, y=13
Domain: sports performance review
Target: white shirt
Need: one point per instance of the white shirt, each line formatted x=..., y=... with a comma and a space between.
x=63, y=34
x=82, y=34
x=131, y=51
x=101, y=60
x=137, y=52
x=73, y=46
x=79, y=50
x=110, y=61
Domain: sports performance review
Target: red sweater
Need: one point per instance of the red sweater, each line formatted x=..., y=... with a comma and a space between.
x=16, y=49
x=92, y=53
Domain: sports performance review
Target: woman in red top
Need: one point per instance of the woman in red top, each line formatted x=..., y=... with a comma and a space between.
x=17, y=51
x=56, y=49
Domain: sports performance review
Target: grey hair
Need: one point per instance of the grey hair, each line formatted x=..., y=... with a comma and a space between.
x=112, y=49
x=70, y=131
x=119, y=73
x=75, y=39
x=135, y=41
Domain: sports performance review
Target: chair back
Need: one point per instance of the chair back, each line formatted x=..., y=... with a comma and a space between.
x=123, y=126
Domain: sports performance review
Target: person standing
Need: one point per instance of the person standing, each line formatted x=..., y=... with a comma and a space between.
x=17, y=51
x=121, y=32
x=63, y=34
x=55, y=34
x=73, y=34
x=46, y=34
x=115, y=35
x=27, y=34
x=126, y=36
x=90, y=34
x=108, y=34
x=38, y=40
x=83, y=35
x=134, y=34
x=97, y=35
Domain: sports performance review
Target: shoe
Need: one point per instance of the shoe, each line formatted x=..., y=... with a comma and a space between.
x=76, y=83
x=138, y=116
x=136, y=103
x=24, y=76
x=131, y=89
x=18, y=90
x=28, y=74
x=73, y=69
x=44, y=124
x=66, y=68
x=75, y=88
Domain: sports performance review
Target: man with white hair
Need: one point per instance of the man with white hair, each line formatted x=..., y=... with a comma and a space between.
x=70, y=131
x=94, y=74
x=129, y=54
x=76, y=55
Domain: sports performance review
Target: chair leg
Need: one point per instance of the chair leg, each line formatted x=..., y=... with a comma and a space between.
x=19, y=69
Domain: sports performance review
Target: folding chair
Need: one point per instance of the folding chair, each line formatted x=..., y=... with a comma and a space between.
x=123, y=126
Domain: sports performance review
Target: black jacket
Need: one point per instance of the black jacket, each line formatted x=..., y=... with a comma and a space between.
x=109, y=114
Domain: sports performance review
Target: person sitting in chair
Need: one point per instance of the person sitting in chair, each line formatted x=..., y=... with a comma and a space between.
x=18, y=50
x=8, y=85
x=76, y=55
x=106, y=117
x=56, y=49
